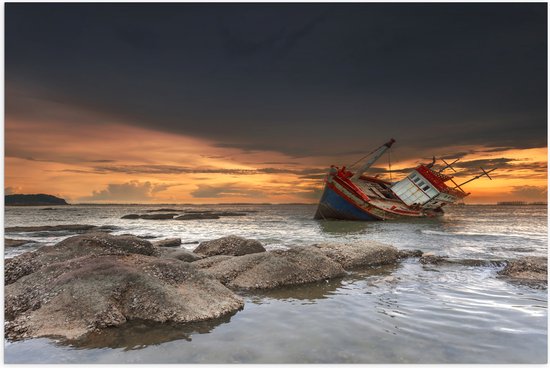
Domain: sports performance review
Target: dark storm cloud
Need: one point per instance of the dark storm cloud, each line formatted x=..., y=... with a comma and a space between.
x=239, y=190
x=302, y=79
x=171, y=169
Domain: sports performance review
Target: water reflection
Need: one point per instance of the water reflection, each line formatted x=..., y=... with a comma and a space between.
x=140, y=334
x=308, y=293
x=342, y=227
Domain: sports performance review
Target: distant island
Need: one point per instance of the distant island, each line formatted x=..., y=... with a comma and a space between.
x=34, y=200
x=521, y=203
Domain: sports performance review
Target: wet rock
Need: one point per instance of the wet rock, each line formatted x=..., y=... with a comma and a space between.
x=131, y=216
x=198, y=216
x=527, y=269
x=74, y=247
x=208, y=262
x=21, y=229
x=227, y=213
x=229, y=245
x=165, y=210
x=74, y=297
x=410, y=253
x=172, y=242
x=359, y=254
x=429, y=258
x=16, y=242
x=183, y=255
x=159, y=216
x=272, y=269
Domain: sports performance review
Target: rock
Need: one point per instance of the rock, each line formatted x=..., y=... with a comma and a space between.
x=21, y=229
x=527, y=269
x=172, y=242
x=75, y=247
x=74, y=297
x=229, y=245
x=197, y=216
x=429, y=258
x=131, y=216
x=272, y=269
x=183, y=255
x=359, y=254
x=16, y=242
x=410, y=253
x=159, y=216
x=208, y=262
x=165, y=210
x=229, y=213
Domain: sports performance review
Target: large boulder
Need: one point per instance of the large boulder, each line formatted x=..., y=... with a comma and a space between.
x=171, y=242
x=77, y=246
x=272, y=269
x=229, y=245
x=359, y=254
x=527, y=269
x=73, y=297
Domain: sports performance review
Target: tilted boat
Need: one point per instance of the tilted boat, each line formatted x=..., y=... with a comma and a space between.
x=355, y=196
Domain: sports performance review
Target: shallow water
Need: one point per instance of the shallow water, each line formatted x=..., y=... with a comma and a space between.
x=409, y=313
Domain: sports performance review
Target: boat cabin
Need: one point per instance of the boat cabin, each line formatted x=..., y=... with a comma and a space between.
x=426, y=188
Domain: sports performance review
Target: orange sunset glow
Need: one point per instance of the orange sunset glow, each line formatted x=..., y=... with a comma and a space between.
x=123, y=164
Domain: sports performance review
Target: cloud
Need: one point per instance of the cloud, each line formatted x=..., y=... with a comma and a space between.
x=347, y=75
x=173, y=169
x=132, y=191
x=530, y=192
x=226, y=190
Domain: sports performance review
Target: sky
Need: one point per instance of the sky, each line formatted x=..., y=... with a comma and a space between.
x=225, y=103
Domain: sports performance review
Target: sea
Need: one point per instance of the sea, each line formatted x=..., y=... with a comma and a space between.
x=404, y=313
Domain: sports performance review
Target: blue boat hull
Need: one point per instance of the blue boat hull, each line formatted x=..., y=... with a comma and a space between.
x=333, y=206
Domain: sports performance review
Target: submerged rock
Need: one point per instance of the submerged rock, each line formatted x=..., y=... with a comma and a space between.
x=527, y=269
x=75, y=247
x=359, y=254
x=165, y=210
x=272, y=269
x=16, y=242
x=131, y=216
x=229, y=245
x=159, y=216
x=89, y=293
x=198, y=216
x=410, y=253
x=172, y=242
x=21, y=229
x=429, y=258
x=230, y=214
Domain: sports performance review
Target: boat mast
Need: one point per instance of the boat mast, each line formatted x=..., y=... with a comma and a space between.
x=375, y=156
x=485, y=173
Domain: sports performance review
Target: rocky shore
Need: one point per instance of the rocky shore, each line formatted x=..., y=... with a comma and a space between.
x=93, y=281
